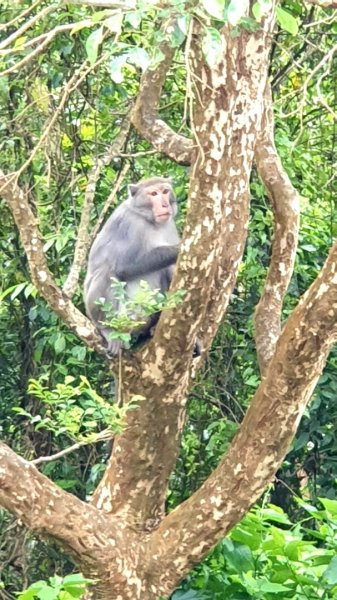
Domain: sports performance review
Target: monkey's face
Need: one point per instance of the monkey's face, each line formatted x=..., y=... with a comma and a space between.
x=160, y=198
x=158, y=201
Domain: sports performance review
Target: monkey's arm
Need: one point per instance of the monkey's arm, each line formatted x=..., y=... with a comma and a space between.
x=158, y=258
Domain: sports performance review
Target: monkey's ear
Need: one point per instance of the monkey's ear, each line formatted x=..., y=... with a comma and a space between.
x=133, y=189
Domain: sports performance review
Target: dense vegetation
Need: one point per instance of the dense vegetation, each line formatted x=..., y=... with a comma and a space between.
x=55, y=392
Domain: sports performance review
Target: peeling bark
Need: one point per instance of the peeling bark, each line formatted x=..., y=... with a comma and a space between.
x=42, y=278
x=133, y=564
x=259, y=447
x=284, y=201
x=144, y=115
x=122, y=538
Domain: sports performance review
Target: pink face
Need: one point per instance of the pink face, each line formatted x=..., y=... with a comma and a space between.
x=159, y=196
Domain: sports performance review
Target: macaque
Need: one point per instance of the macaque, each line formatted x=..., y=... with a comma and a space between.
x=138, y=242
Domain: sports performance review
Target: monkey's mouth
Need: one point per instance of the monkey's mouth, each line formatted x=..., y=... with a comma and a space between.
x=165, y=215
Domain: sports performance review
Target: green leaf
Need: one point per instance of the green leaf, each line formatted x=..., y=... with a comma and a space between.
x=139, y=57
x=236, y=10
x=190, y=595
x=115, y=68
x=330, y=574
x=80, y=25
x=157, y=57
x=273, y=588
x=79, y=352
x=18, y=289
x=239, y=556
x=134, y=18
x=60, y=344
x=76, y=579
x=330, y=505
x=183, y=23
x=177, y=36
x=261, y=8
x=215, y=8
x=48, y=593
x=114, y=23
x=92, y=44
x=14, y=290
x=28, y=594
x=286, y=21
x=212, y=46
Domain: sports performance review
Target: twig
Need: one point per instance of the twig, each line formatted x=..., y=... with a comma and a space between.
x=144, y=115
x=19, y=32
x=49, y=36
x=125, y=5
x=42, y=278
x=20, y=16
x=109, y=201
x=75, y=80
x=137, y=154
x=100, y=437
x=39, y=38
x=323, y=3
x=327, y=20
x=83, y=240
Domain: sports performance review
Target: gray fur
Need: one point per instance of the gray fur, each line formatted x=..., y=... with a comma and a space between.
x=131, y=246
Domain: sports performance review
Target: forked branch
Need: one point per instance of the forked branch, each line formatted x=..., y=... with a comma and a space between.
x=264, y=436
x=284, y=201
x=145, y=117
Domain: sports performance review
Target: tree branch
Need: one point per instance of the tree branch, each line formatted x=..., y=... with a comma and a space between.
x=21, y=30
x=264, y=436
x=144, y=115
x=284, y=201
x=109, y=201
x=27, y=225
x=48, y=510
x=239, y=137
x=323, y=3
x=145, y=454
x=83, y=238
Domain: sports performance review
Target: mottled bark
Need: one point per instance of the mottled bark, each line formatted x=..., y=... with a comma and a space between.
x=230, y=107
x=42, y=278
x=284, y=201
x=263, y=438
x=122, y=538
x=145, y=117
x=131, y=563
x=238, y=96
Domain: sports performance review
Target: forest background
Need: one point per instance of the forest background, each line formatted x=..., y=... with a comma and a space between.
x=70, y=77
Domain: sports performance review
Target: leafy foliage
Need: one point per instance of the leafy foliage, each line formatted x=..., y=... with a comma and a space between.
x=133, y=312
x=57, y=588
x=266, y=556
x=75, y=411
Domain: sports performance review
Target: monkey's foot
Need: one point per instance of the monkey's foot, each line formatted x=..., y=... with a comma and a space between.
x=114, y=347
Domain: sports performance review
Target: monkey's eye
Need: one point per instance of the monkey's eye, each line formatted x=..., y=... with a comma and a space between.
x=154, y=193
x=166, y=191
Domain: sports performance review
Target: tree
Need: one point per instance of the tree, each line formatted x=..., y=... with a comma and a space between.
x=122, y=538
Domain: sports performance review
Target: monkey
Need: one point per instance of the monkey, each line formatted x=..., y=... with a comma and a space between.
x=138, y=242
